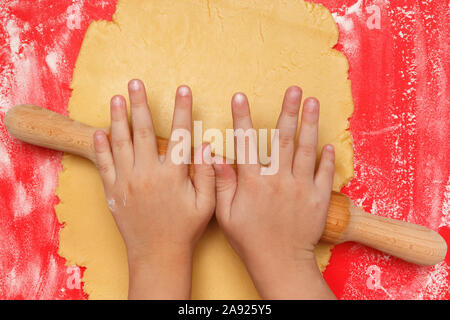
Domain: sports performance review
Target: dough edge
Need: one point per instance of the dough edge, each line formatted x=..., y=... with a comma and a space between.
x=74, y=255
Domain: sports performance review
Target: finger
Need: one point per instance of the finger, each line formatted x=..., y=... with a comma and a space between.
x=104, y=159
x=287, y=126
x=181, y=125
x=122, y=147
x=245, y=137
x=305, y=156
x=325, y=172
x=226, y=184
x=204, y=179
x=144, y=140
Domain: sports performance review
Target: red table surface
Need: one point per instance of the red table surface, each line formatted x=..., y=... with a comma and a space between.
x=399, y=75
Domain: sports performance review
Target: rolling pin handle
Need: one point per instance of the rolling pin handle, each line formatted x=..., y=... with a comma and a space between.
x=407, y=241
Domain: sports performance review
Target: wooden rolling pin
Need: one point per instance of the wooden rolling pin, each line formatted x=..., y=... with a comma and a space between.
x=345, y=221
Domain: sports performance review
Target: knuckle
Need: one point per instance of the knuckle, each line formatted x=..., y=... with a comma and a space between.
x=243, y=115
x=329, y=165
x=101, y=152
x=275, y=186
x=121, y=192
x=139, y=104
x=299, y=192
x=307, y=150
x=316, y=203
x=310, y=122
x=121, y=144
x=290, y=112
x=224, y=186
x=144, y=133
x=303, y=190
x=249, y=179
x=285, y=140
x=208, y=173
x=125, y=190
x=118, y=119
x=104, y=168
x=143, y=182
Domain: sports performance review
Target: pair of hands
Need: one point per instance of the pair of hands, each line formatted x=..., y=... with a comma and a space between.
x=272, y=222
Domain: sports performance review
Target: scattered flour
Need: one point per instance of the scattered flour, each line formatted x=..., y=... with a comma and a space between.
x=22, y=204
x=111, y=204
x=445, y=222
x=52, y=60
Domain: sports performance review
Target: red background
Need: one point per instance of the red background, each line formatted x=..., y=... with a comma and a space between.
x=400, y=129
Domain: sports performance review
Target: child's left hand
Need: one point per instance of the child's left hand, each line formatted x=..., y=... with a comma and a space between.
x=160, y=212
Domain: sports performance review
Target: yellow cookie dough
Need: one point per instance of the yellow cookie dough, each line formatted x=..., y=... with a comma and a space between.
x=216, y=47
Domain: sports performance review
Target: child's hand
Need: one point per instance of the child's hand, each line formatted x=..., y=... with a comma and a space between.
x=159, y=211
x=274, y=222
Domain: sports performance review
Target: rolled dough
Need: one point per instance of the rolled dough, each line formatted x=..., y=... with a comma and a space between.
x=218, y=48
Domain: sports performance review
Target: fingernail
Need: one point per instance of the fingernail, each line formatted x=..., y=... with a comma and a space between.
x=183, y=91
x=239, y=98
x=116, y=101
x=329, y=148
x=117, y=108
x=135, y=85
x=98, y=136
x=311, y=105
x=294, y=92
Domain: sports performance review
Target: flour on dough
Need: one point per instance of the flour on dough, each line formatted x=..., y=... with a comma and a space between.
x=217, y=47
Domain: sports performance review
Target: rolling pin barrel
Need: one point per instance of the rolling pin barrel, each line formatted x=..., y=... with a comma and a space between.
x=345, y=222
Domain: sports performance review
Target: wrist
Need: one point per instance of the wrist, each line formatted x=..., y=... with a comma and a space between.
x=298, y=278
x=160, y=255
x=161, y=274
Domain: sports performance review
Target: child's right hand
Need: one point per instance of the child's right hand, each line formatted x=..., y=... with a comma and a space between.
x=274, y=222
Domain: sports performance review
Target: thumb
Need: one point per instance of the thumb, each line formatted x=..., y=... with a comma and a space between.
x=204, y=178
x=226, y=184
